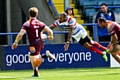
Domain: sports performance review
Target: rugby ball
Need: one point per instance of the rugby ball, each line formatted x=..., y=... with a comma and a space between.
x=44, y=37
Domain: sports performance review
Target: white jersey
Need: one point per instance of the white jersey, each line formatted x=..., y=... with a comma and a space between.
x=78, y=30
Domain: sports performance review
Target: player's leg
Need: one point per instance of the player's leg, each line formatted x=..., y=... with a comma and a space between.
x=35, y=58
x=85, y=43
x=36, y=61
x=48, y=55
x=99, y=46
x=116, y=53
x=116, y=56
x=96, y=44
x=118, y=49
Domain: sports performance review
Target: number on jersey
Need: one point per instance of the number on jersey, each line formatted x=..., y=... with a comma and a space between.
x=36, y=32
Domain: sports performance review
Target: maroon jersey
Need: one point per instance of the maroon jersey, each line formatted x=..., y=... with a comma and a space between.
x=115, y=29
x=33, y=28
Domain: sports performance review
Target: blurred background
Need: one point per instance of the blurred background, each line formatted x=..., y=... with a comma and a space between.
x=13, y=13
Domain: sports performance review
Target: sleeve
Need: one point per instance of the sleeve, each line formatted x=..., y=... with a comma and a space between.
x=71, y=21
x=42, y=25
x=25, y=25
x=112, y=30
x=97, y=16
x=113, y=16
x=55, y=24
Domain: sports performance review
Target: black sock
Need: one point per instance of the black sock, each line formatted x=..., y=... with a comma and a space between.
x=44, y=56
x=35, y=72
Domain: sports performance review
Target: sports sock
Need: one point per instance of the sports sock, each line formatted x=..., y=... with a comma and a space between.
x=44, y=56
x=92, y=48
x=36, y=71
x=99, y=45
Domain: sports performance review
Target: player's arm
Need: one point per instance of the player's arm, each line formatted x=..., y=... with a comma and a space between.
x=68, y=39
x=18, y=38
x=20, y=35
x=55, y=24
x=69, y=34
x=49, y=31
x=71, y=23
x=51, y=27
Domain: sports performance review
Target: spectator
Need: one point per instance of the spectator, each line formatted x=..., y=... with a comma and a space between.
x=70, y=12
x=108, y=15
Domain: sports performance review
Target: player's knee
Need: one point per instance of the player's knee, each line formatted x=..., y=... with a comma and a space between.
x=37, y=62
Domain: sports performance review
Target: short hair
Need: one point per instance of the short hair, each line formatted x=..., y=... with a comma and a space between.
x=101, y=19
x=33, y=12
x=63, y=14
x=103, y=4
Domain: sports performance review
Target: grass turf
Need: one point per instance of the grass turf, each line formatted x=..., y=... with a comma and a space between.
x=64, y=74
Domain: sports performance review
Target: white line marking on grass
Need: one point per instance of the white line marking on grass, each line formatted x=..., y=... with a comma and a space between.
x=6, y=77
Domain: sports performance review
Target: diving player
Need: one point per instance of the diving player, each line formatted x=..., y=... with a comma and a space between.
x=79, y=34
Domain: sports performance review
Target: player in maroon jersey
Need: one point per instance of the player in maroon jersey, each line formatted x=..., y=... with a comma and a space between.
x=33, y=28
x=114, y=30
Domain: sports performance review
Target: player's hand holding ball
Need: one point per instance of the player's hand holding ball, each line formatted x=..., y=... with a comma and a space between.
x=43, y=37
x=50, y=37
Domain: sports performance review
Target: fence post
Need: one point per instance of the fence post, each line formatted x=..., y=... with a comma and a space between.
x=11, y=40
x=95, y=32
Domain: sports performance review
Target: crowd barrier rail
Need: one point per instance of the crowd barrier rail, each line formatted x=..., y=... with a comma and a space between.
x=94, y=25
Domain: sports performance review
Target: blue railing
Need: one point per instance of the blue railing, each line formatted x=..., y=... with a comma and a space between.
x=55, y=32
x=108, y=6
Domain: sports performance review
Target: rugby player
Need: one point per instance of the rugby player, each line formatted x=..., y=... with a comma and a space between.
x=77, y=32
x=33, y=28
x=114, y=30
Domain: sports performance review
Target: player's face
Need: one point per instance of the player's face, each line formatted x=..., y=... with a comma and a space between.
x=62, y=19
x=101, y=24
x=104, y=9
x=70, y=12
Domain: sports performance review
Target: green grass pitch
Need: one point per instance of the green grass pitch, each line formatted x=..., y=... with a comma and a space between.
x=64, y=74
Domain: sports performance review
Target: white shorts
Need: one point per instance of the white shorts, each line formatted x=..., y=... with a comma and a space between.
x=79, y=35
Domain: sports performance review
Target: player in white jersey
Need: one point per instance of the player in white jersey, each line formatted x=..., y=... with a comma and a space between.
x=79, y=34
